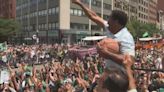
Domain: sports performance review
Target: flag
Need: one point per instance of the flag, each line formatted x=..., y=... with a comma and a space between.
x=3, y=46
x=146, y=34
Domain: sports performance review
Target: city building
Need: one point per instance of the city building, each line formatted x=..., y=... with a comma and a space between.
x=152, y=12
x=128, y=6
x=160, y=7
x=53, y=20
x=8, y=9
x=143, y=11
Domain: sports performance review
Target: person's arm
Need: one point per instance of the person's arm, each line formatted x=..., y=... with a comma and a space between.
x=91, y=14
x=132, y=84
x=47, y=81
x=13, y=79
x=110, y=55
x=128, y=62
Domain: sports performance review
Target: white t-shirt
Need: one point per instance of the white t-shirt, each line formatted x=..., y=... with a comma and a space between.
x=132, y=90
x=159, y=63
x=127, y=45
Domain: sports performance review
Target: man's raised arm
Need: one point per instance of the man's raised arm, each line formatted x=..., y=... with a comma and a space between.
x=91, y=14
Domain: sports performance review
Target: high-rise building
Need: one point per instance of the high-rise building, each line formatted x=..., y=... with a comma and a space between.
x=145, y=11
x=128, y=6
x=161, y=14
x=8, y=9
x=53, y=19
x=152, y=11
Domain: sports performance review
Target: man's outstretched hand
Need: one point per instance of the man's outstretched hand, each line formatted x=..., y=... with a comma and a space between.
x=76, y=1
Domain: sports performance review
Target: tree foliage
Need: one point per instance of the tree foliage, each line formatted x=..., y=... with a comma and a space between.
x=8, y=27
x=138, y=29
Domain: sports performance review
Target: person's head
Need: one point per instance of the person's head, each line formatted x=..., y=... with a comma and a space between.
x=68, y=84
x=113, y=80
x=117, y=20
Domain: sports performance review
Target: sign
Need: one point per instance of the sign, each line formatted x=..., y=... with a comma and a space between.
x=34, y=36
x=4, y=77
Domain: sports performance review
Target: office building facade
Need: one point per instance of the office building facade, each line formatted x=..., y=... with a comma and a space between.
x=54, y=20
x=128, y=6
x=152, y=11
x=145, y=11
x=7, y=9
x=160, y=11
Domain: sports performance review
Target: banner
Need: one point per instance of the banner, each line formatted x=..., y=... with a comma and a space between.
x=4, y=77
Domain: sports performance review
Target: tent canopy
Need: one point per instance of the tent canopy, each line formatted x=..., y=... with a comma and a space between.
x=94, y=38
x=149, y=39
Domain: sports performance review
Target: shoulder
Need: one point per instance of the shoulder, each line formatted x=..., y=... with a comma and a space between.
x=125, y=36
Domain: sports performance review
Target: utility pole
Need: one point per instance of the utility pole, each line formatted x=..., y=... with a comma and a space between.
x=47, y=20
x=90, y=29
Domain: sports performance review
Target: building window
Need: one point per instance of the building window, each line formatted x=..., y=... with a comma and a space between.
x=79, y=26
x=75, y=12
x=79, y=13
x=50, y=26
x=53, y=25
x=50, y=11
x=57, y=9
x=39, y=13
x=57, y=25
x=71, y=11
x=35, y=14
x=45, y=12
x=45, y=26
x=107, y=6
x=53, y=10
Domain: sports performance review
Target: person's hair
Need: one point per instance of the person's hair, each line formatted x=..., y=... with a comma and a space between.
x=117, y=81
x=120, y=16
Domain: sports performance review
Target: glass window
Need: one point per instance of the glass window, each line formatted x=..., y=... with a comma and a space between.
x=79, y=13
x=75, y=12
x=45, y=26
x=50, y=25
x=50, y=11
x=39, y=13
x=57, y=25
x=57, y=9
x=42, y=12
x=53, y=26
x=71, y=11
x=53, y=10
x=35, y=14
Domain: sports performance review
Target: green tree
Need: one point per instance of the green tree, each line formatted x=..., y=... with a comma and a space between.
x=8, y=27
x=138, y=29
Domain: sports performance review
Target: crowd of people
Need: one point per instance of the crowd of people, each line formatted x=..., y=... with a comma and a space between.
x=152, y=60
x=47, y=68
